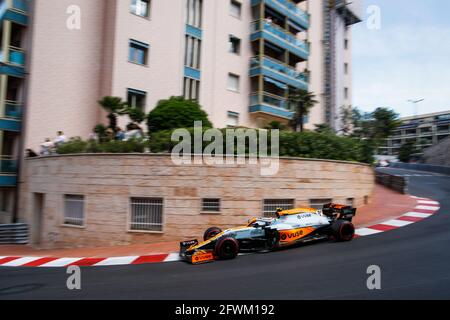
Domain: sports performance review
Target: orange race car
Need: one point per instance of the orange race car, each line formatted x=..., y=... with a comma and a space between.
x=264, y=234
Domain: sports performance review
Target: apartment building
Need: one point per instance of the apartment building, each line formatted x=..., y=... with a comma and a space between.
x=424, y=131
x=13, y=44
x=330, y=60
x=238, y=58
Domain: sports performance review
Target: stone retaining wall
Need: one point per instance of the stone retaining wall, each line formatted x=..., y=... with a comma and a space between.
x=109, y=181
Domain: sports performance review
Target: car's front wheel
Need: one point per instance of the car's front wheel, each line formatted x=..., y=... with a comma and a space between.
x=211, y=233
x=227, y=248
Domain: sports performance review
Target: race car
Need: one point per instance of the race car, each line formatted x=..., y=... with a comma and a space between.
x=290, y=227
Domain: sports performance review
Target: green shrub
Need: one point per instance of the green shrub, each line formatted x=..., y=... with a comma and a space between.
x=74, y=145
x=292, y=144
x=174, y=113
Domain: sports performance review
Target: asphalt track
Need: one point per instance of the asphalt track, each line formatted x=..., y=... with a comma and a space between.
x=414, y=262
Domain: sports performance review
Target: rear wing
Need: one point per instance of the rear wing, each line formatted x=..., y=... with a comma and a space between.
x=338, y=211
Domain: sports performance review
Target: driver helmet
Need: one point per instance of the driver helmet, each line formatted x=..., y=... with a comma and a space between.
x=278, y=211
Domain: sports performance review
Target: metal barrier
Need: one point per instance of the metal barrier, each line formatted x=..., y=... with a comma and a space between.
x=13, y=233
x=396, y=183
x=421, y=167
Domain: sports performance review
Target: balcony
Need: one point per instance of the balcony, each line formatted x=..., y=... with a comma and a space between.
x=8, y=165
x=278, y=70
x=13, y=110
x=10, y=124
x=282, y=38
x=270, y=104
x=288, y=9
x=15, y=11
x=13, y=63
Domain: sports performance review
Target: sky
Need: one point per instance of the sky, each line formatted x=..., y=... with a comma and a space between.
x=408, y=57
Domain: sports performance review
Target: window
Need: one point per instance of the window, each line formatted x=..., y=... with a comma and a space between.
x=136, y=99
x=318, y=203
x=346, y=68
x=233, y=82
x=271, y=205
x=235, y=8
x=346, y=44
x=194, y=13
x=192, y=52
x=211, y=205
x=138, y=52
x=232, y=119
x=146, y=214
x=74, y=210
x=346, y=93
x=191, y=90
x=140, y=7
x=234, y=45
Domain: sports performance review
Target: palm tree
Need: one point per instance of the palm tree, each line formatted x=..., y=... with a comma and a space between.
x=302, y=101
x=115, y=107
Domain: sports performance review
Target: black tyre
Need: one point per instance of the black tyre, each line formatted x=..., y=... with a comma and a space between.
x=343, y=230
x=273, y=239
x=211, y=232
x=227, y=248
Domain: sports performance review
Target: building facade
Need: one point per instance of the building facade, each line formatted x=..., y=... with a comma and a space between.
x=13, y=45
x=238, y=58
x=330, y=61
x=424, y=131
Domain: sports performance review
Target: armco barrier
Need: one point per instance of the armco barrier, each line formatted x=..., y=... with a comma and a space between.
x=396, y=183
x=421, y=167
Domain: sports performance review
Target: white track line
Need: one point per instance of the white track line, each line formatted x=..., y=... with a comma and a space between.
x=62, y=262
x=417, y=215
x=427, y=208
x=116, y=261
x=397, y=223
x=428, y=202
x=172, y=257
x=20, y=262
x=366, y=231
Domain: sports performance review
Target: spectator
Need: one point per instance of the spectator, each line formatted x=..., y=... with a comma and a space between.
x=47, y=147
x=31, y=154
x=133, y=132
x=120, y=134
x=60, y=138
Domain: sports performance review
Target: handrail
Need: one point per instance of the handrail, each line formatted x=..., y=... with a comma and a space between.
x=286, y=35
x=285, y=68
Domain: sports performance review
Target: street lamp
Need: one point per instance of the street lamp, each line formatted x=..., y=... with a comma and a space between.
x=415, y=103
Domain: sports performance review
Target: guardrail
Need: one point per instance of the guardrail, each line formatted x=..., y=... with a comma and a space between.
x=421, y=167
x=396, y=183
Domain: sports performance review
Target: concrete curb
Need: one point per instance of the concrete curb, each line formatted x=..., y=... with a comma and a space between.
x=425, y=208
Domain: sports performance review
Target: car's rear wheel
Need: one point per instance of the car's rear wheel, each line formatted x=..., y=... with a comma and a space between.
x=227, y=248
x=211, y=233
x=343, y=230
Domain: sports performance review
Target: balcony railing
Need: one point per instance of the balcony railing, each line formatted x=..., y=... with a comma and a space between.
x=269, y=99
x=281, y=33
x=293, y=7
x=16, y=56
x=278, y=66
x=13, y=109
x=8, y=164
x=21, y=5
